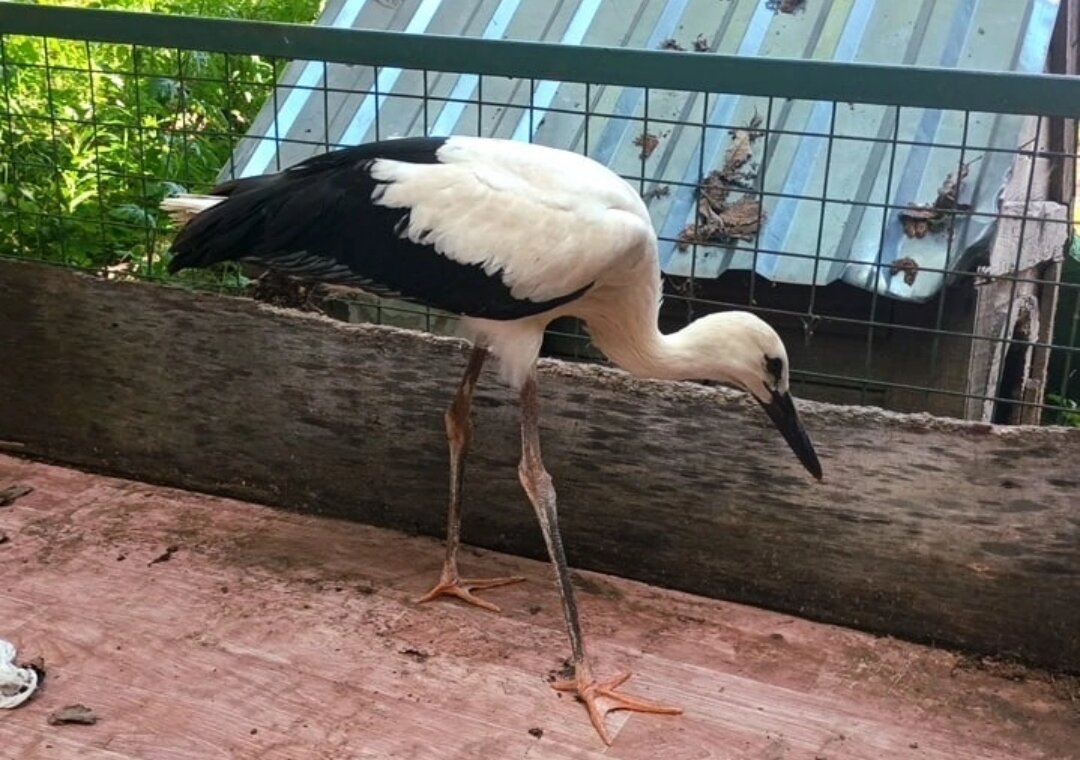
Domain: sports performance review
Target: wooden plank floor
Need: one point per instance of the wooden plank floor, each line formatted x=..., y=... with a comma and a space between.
x=271, y=635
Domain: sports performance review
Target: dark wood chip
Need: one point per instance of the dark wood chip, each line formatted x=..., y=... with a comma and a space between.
x=165, y=556
x=11, y=493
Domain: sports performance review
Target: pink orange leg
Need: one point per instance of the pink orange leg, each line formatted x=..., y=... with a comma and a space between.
x=459, y=434
x=541, y=492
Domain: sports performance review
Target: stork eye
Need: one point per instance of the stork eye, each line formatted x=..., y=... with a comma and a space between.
x=774, y=367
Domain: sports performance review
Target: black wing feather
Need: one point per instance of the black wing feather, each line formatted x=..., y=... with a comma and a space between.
x=316, y=221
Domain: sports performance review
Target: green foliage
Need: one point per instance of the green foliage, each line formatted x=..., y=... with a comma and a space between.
x=93, y=136
x=1069, y=416
x=1064, y=370
x=296, y=11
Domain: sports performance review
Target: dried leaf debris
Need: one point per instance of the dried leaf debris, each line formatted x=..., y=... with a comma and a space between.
x=785, y=6
x=907, y=265
x=949, y=192
x=699, y=45
x=647, y=141
x=283, y=291
x=920, y=219
x=740, y=152
x=722, y=220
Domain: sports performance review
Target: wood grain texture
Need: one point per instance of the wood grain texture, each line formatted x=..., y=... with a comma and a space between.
x=925, y=528
x=273, y=635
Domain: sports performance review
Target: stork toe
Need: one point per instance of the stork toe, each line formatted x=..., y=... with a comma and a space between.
x=462, y=588
x=589, y=691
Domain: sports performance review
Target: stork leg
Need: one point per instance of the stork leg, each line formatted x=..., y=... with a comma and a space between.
x=541, y=492
x=459, y=434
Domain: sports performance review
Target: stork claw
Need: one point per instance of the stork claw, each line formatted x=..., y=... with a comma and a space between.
x=588, y=691
x=462, y=588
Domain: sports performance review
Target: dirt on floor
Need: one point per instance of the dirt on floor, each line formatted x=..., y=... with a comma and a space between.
x=247, y=587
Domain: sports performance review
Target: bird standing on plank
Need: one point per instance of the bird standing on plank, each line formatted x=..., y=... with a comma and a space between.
x=509, y=236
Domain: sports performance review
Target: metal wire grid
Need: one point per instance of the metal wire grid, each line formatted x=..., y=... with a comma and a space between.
x=180, y=70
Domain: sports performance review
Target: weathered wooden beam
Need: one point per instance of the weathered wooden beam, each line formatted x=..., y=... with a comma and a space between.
x=925, y=528
x=1029, y=235
x=1064, y=50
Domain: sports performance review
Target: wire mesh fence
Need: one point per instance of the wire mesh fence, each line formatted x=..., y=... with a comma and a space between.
x=912, y=253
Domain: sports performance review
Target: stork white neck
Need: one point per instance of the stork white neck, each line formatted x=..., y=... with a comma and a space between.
x=726, y=347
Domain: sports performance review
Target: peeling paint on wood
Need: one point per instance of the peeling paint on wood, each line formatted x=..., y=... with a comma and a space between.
x=926, y=528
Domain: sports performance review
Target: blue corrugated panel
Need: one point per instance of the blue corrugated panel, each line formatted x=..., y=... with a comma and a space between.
x=826, y=169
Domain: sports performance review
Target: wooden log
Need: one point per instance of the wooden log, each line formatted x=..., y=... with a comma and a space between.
x=925, y=528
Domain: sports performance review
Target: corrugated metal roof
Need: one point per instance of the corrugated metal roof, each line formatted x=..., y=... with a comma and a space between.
x=847, y=229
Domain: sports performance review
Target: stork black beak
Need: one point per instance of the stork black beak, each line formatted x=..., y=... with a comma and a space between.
x=781, y=410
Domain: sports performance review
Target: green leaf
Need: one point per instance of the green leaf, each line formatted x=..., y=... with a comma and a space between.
x=172, y=189
x=129, y=212
x=81, y=198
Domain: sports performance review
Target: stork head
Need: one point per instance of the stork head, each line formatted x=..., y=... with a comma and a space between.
x=741, y=349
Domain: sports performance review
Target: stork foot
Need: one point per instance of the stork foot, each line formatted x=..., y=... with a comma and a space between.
x=462, y=588
x=589, y=691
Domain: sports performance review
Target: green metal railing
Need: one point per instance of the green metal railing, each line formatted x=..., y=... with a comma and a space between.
x=1048, y=95
x=101, y=168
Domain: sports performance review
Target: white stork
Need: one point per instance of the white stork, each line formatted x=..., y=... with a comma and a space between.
x=509, y=236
